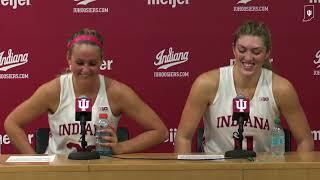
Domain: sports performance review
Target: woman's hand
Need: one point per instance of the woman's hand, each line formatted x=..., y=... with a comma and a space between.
x=111, y=139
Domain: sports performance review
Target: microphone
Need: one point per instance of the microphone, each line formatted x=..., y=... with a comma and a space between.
x=241, y=112
x=83, y=114
x=241, y=104
x=83, y=109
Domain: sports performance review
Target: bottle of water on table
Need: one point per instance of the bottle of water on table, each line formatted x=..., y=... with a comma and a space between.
x=277, y=139
x=102, y=124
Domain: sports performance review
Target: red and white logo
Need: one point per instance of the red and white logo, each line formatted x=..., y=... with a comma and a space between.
x=83, y=105
x=84, y=2
x=84, y=6
x=308, y=14
x=243, y=1
x=12, y=60
x=251, y=7
x=241, y=105
x=317, y=60
x=164, y=61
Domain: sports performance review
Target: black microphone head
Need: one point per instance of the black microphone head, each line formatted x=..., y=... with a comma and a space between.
x=240, y=96
x=82, y=97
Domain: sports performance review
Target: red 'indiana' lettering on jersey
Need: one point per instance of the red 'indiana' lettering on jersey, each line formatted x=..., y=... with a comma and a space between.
x=255, y=122
x=74, y=128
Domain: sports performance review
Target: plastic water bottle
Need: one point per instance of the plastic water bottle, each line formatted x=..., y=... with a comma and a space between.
x=102, y=123
x=277, y=139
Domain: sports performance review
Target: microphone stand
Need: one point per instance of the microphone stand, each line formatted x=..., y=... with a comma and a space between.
x=83, y=135
x=83, y=154
x=240, y=131
x=240, y=153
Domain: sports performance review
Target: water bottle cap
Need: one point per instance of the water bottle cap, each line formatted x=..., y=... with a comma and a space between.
x=105, y=116
x=277, y=120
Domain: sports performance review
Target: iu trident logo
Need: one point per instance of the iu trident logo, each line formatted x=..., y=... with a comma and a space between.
x=241, y=104
x=83, y=104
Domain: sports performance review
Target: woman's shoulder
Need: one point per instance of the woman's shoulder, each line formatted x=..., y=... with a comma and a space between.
x=206, y=85
x=281, y=84
x=208, y=79
x=47, y=95
x=50, y=89
x=283, y=90
x=119, y=94
x=112, y=84
x=115, y=88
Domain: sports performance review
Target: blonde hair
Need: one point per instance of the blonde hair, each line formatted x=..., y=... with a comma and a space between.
x=98, y=41
x=256, y=28
x=88, y=32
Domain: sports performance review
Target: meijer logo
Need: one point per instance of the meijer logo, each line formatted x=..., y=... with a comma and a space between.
x=164, y=61
x=12, y=60
x=173, y=3
x=15, y=3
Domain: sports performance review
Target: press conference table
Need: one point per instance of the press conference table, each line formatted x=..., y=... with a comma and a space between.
x=299, y=166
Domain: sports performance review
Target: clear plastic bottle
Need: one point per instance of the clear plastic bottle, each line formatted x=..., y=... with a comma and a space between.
x=102, y=123
x=277, y=139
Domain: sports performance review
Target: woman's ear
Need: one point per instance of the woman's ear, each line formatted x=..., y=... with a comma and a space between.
x=101, y=55
x=68, y=56
x=233, y=49
x=268, y=55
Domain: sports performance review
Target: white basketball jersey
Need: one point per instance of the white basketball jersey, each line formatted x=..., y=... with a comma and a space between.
x=65, y=131
x=218, y=123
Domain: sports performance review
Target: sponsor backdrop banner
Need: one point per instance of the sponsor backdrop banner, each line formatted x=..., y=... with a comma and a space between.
x=158, y=47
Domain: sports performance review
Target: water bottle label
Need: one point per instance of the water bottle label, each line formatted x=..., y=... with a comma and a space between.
x=281, y=140
x=275, y=141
